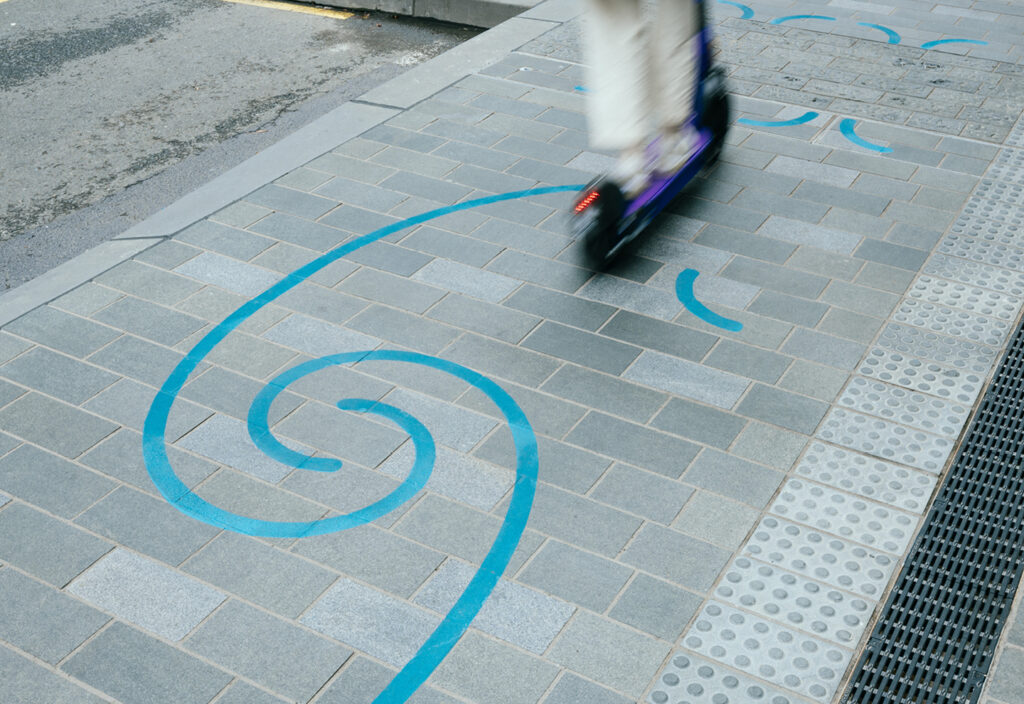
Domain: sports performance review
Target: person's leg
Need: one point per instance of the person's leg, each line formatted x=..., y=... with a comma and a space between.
x=618, y=109
x=675, y=54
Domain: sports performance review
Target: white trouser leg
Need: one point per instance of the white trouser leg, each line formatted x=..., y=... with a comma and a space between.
x=618, y=101
x=674, y=49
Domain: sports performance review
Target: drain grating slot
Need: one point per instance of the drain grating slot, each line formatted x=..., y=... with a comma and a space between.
x=940, y=626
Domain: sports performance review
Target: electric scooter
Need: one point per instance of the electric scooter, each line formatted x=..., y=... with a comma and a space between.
x=606, y=219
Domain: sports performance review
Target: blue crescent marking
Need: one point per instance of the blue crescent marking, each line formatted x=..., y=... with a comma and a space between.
x=748, y=12
x=684, y=291
x=940, y=42
x=455, y=622
x=790, y=18
x=806, y=117
x=846, y=127
x=894, y=37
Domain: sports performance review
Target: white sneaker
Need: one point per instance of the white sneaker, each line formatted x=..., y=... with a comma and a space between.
x=632, y=171
x=675, y=147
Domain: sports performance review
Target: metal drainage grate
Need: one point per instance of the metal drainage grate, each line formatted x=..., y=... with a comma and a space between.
x=939, y=628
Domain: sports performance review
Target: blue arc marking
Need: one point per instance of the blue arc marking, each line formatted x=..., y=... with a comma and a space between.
x=806, y=117
x=455, y=622
x=684, y=291
x=940, y=42
x=846, y=127
x=894, y=37
x=748, y=12
x=790, y=18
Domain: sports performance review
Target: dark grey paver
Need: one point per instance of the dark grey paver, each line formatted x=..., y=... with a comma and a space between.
x=774, y=277
x=33, y=417
x=46, y=547
x=362, y=680
x=62, y=331
x=404, y=329
x=501, y=360
x=50, y=482
x=656, y=607
x=478, y=668
x=147, y=320
x=149, y=525
x=228, y=241
x=733, y=477
x=605, y=393
x=824, y=349
x=120, y=457
x=594, y=526
x=270, y=651
x=242, y=693
x=548, y=415
x=42, y=621
x=24, y=682
x=57, y=375
x=783, y=408
x=287, y=200
x=650, y=333
x=553, y=305
x=540, y=270
x=769, y=445
x=745, y=243
x=560, y=464
x=586, y=349
x=136, y=668
x=698, y=422
x=574, y=575
x=304, y=233
x=746, y=360
x=485, y=318
x=451, y=246
x=450, y=528
x=678, y=558
x=572, y=689
x=633, y=444
x=798, y=311
x=892, y=254
x=643, y=493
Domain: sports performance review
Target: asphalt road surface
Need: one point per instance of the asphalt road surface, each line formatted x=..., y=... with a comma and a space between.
x=112, y=110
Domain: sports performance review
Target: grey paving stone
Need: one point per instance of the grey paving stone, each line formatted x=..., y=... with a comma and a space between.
x=304, y=233
x=376, y=556
x=242, y=693
x=721, y=214
x=572, y=689
x=586, y=349
x=687, y=379
x=271, y=578
x=1008, y=678
x=914, y=236
x=524, y=238
x=746, y=360
x=605, y=393
x=451, y=246
x=228, y=241
x=730, y=476
x=54, y=328
x=501, y=360
x=770, y=250
x=680, y=559
x=375, y=623
x=789, y=308
x=270, y=651
x=450, y=527
x=361, y=680
x=698, y=422
x=489, y=672
x=885, y=188
x=57, y=375
x=539, y=270
x=633, y=444
x=783, y=408
x=41, y=620
x=389, y=134
x=456, y=475
x=147, y=320
x=147, y=594
x=425, y=187
x=656, y=607
x=484, y=318
x=677, y=340
x=577, y=576
x=45, y=547
x=316, y=338
x=560, y=464
x=242, y=214
x=524, y=617
x=358, y=221
x=774, y=277
x=149, y=282
x=793, y=207
x=892, y=254
x=243, y=495
x=388, y=257
x=813, y=171
x=287, y=200
x=594, y=527
x=885, y=278
x=468, y=280
x=135, y=668
x=392, y=290
x=769, y=445
x=51, y=483
x=852, y=326
x=472, y=154
x=149, y=525
x=404, y=329
x=33, y=417
x=548, y=415
x=127, y=403
x=560, y=307
x=25, y=682
x=701, y=518
x=451, y=426
x=645, y=494
x=10, y=392
x=824, y=349
x=87, y=298
x=593, y=646
x=320, y=302
x=167, y=254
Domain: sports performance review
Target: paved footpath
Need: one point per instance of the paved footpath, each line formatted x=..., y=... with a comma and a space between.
x=678, y=511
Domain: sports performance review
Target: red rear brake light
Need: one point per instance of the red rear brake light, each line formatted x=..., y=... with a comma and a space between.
x=587, y=202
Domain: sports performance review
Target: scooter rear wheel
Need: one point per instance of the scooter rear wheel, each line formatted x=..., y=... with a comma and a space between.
x=597, y=213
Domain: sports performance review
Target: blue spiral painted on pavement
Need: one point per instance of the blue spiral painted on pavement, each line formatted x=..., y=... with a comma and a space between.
x=684, y=292
x=455, y=622
x=846, y=128
x=747, y=11
x=800, y=120
x=894, y=37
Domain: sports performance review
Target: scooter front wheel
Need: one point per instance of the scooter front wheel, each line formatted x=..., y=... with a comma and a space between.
x=597, y=215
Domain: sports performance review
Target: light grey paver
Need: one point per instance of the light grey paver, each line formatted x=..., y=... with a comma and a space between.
x=456, y=476
x=146, y=593
x=687, y=379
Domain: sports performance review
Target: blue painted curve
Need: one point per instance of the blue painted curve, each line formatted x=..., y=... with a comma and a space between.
x=940, y=42
x=455, y=622
x=806, y=117
x=846, y=128
x=894, y=37
x=684, y=291
x=790, y=18
x=748, y=11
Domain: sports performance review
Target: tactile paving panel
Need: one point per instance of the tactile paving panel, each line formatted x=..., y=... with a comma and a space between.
x=905, y=407
x=991, y=230
x=981, y=250
x=960, y=385
x=768, y=650
x=689, y=679
x=1007, y=166
x=795, y=600
x=845, y=515
x=1008, y=282
x=886, y=440
x=1012, y=193
x=969, y=298
x=867, y=476
x=803, y=550
x=977, y=328
x=980, y=207
x=951, y=351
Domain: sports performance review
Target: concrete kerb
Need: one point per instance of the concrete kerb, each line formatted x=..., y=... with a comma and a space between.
x=319, y=137
x=477, y=13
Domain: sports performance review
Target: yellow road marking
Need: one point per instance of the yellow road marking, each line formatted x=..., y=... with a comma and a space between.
x=292, y=7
